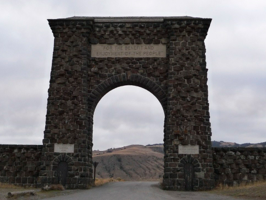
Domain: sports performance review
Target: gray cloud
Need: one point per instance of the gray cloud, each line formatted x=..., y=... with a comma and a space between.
x=235, y=59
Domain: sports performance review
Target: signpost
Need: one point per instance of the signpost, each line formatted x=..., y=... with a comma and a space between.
x=95, y=165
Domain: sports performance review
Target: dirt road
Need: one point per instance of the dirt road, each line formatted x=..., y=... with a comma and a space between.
x=138, y=191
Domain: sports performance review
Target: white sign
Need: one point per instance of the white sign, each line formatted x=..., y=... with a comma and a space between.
x=128, y=50
x=64, y=148
x=188, y=149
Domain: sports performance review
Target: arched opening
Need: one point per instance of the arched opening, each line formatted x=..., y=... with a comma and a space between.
x=191, y=169
x=127, y=115
x=62, y=164
x=128, y=135
x=189, y=176
x=62, y=170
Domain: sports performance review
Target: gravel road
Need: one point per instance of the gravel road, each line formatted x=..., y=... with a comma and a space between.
x=137, y=191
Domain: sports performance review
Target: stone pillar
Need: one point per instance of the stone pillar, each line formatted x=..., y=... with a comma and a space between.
x=67, y=117
x=187, y=116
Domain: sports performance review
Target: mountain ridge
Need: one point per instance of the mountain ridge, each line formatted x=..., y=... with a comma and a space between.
x=140, y=162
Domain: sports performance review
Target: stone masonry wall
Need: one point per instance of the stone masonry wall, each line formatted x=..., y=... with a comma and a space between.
x=20, y=164
x=179, y=81
x=234, y=166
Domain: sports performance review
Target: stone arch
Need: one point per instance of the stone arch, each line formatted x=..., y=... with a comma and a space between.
x=64, y=161
x=122, y=80
x=166, y=64
x=62, y=158
x=193, y=161
x=125, y=79
x=190, y=166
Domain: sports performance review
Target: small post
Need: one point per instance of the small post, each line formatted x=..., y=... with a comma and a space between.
x=95, y=165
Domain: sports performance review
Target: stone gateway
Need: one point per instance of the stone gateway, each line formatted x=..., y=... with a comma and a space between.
x=164, y=55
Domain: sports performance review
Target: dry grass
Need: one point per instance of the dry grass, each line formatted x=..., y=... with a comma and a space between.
x=255, y=190
x=6, y=188
x=9, y=186
x=102, y=181
x=53, y=187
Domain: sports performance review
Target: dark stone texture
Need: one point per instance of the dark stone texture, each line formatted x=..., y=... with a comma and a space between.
x=20, y=164
x=179, y=81
x=235, y=166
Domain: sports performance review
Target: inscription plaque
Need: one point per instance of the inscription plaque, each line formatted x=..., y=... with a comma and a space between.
x=130, y=50
x=188, y=149
x=64, y=148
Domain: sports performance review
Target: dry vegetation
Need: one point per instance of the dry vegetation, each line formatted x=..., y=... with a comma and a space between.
x=56, y=190
x=252, y=191
x=102, y=181
x=9, y=186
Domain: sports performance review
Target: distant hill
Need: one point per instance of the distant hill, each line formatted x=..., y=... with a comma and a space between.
x=229, y=144
x=138, y=162
x=134, y=162
x=233, y=144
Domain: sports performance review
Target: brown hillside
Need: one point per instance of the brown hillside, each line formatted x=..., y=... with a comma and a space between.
x=135, y=162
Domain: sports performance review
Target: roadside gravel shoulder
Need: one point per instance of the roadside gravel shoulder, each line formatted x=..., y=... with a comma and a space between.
x=38, y=193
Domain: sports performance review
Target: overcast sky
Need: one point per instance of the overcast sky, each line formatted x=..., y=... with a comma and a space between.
x=236, y=59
